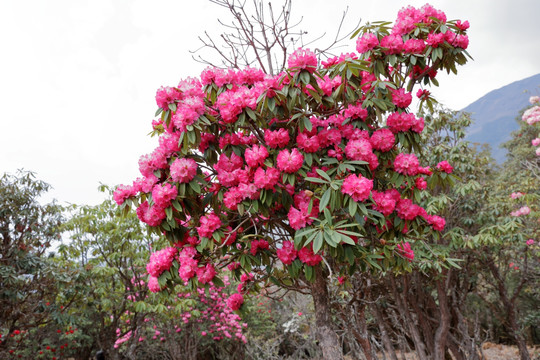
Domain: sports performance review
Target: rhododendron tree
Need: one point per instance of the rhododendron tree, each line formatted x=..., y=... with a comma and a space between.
x=289, y=165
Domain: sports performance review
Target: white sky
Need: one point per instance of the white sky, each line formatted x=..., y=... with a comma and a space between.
x=78, y=78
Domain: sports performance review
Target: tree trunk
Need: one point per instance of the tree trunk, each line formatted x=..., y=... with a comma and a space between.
x=419, y=345
x=384, y=333
x=444, y=320
x=327, y=337
x=509, y=307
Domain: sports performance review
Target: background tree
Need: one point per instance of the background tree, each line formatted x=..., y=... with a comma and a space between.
x=29, y=279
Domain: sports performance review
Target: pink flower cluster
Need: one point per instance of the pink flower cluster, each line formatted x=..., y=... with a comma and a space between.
x=287, y=253
x=397, y=122
x=298, y=214
x=303, y=59
x=161, y=261
x=405, y=250
x=444, y=166
x=209, y=224
x=524, y=210
x=183, y=170
x=307, y=256
x=531, y=115
x=357, y=186
x=406, y=164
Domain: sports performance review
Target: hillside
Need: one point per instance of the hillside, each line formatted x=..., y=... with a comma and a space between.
x=494, y=114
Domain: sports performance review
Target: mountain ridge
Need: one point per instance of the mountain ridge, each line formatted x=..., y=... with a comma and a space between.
x=494, y=114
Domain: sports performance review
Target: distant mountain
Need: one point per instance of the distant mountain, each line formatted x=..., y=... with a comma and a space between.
x=494, y=113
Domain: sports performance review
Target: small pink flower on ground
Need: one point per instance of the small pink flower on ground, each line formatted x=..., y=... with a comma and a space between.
x=530, y=242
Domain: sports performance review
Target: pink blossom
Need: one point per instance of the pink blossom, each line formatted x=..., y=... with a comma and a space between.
x=287, y=253
x=393, y=43
x=437, y=222
x=161, y=261
x=422, y=94
x=366, y=42
x=209, y=224
x=167, y=95
x=420, y=183
x=516, y=195
x=153, y=284
x=400, y=122
x=385, y=202
x=163, y=194
x=183, y=170
x=383, y=140
x=297, y=218
x=406, y=164
x=356, y=112
x=357, y=186
x=206, y=274
x=406, y=210
x=303, y=59
x=444, y=166
x=434, y=40
x=414, y=46
x=401, y=99
x=256, y=155
x=257, y=245
x=359, y=149
x=308, y=144
x=276, y=139
x=524, y=210
x=266, y=179
x=290, y=161
x=235, y=301
x=123, y=192
x=151, y=215
x=405, y=250
x=462, y=26
x=307, y=256
x=530, y=242
x=531, y=115
x=535, y=142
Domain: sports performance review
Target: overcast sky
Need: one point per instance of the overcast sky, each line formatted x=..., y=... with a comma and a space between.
x=78, y=78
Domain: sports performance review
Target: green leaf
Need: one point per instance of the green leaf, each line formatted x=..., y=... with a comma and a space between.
x=315, y=180
x=352, y=207
x=308, y=271
x=324, y=175
x=318, y=242
x=195, y=186
x=307, y=123
x=325, y=199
